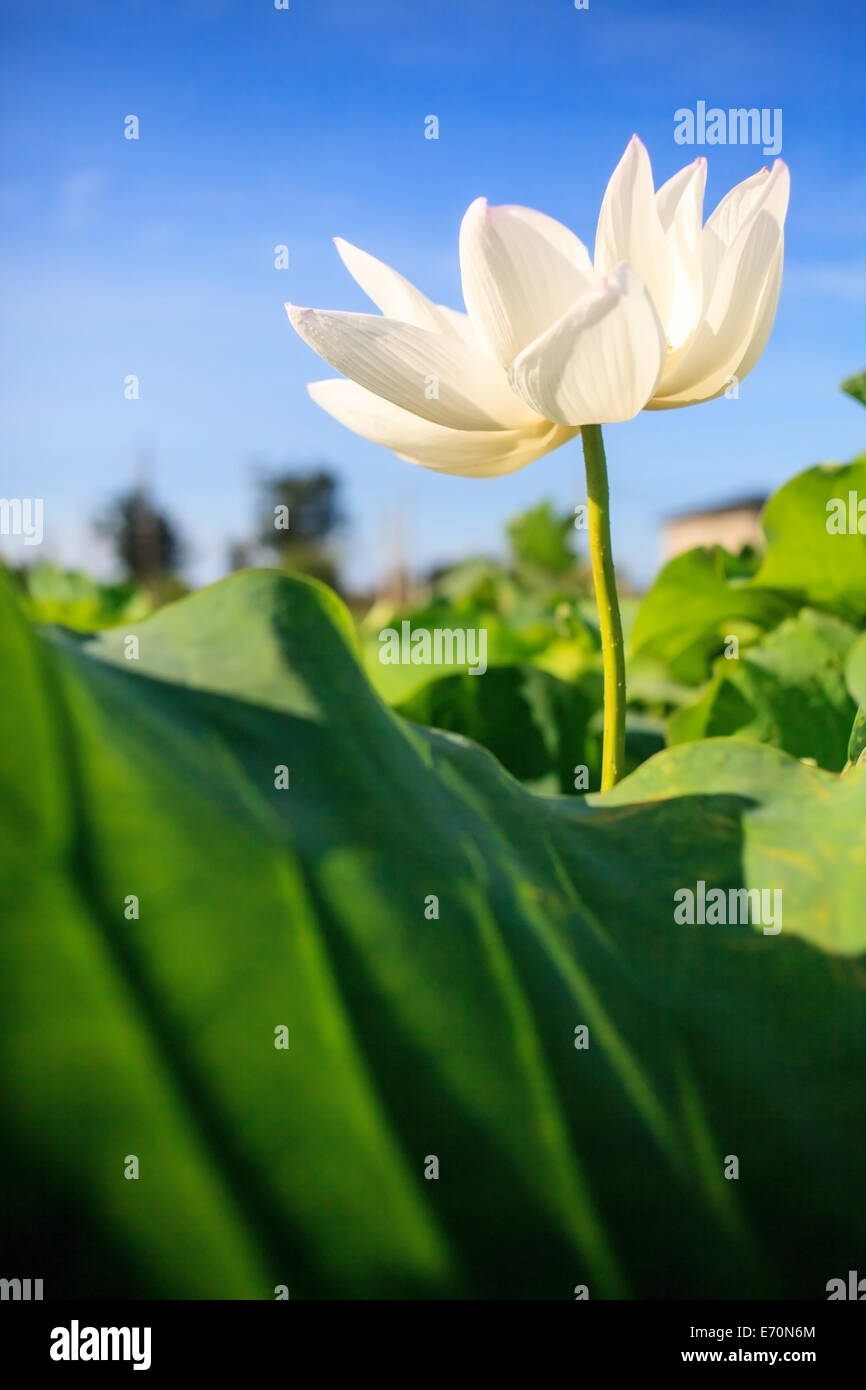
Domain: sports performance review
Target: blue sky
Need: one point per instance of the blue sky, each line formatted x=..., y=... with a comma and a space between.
x=261, y=127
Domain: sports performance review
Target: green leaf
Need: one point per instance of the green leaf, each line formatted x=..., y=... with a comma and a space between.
x=695, y=603
x=855, y=670
x=505, y=642
x=788, y=689
x=856, y=386
x=803, y=832
x=856, y=674
x=547, y=631
x=542, y=539
x=535, y=724
x=806, y=557
x=546, y=732
x=411, y=1035
x=857, y=739
x=77, y=601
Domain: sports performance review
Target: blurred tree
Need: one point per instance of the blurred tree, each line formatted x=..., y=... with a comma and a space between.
x=146, y=542
x=299, y=514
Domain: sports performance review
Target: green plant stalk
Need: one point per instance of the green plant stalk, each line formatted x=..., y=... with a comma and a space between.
x=610, y=624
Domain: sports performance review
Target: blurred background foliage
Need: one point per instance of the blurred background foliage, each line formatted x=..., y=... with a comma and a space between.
x=752, y=644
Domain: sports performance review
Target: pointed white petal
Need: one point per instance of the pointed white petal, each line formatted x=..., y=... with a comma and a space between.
x=469, y=453
x=680, y=204
x=726, y=221
x=760, y=332
x=438, y=378
x=764, y=319
x=521, y=271
x=683, y=194
x=601, y=362
x=630, y=229
x=739, y=303
x=391, y=292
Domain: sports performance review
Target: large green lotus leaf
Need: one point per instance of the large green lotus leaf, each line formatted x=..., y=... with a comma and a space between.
x=158, y=774
x=806, y=556
x=803, y=832
x=788, y=689
x=699, y=599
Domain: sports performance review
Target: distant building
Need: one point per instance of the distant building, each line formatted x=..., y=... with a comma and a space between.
x=732, y=525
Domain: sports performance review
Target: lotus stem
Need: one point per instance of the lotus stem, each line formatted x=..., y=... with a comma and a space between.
x=610, y=624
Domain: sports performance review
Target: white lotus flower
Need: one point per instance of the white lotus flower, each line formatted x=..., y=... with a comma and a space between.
x=667, y=315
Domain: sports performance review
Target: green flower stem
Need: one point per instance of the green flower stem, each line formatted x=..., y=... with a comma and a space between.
x=604, y=580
